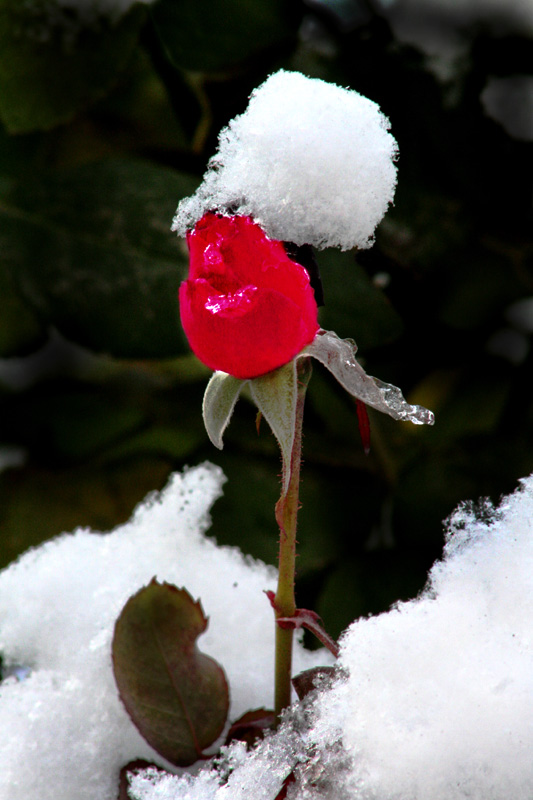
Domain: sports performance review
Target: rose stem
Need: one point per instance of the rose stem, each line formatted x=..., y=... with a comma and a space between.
x=286, y=517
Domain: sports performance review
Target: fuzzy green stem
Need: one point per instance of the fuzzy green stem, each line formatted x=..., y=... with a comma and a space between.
x=286, y=517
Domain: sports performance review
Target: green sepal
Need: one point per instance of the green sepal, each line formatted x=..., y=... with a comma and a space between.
x=221, y=395
x=275, y=395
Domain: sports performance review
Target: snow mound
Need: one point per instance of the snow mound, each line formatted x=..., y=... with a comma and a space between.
x=67, y=734
x=435, y=697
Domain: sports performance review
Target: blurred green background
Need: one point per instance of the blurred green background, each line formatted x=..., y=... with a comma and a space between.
x=107, y=123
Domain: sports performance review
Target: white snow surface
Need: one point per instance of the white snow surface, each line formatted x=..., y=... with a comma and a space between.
x=437, y=702
x=65, y=732
x=311, y=161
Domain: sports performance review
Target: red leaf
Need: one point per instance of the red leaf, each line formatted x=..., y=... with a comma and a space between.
x=175, y=695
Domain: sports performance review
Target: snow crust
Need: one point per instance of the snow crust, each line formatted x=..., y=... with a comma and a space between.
x=66, y=733
x=435, y=702
x=312, y=162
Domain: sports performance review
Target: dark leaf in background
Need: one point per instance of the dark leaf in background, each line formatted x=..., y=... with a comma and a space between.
x=21, y=327
x=91, y=252
x=38, y=502
x=51, y=66
x=213, y=36
x=90, y=449
x=176, y=696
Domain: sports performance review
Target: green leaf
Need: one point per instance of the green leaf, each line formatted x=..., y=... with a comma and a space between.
x=21, y=330
x=176, y=696
x=51, y=65
x=90, y=250
x=211, y=36
x=220, y=397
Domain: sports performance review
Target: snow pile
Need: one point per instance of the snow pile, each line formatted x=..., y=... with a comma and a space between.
x=66, y=734
x=439, y=702
x=438, y=699
x=310, y=161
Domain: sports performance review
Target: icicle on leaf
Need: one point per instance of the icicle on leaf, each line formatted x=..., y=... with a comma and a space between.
x=338, y=355
x=275, y=395
x=175, y=695
x=220, y=397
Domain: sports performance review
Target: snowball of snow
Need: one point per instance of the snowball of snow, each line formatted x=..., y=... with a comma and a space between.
x=66, y=733
x=437, y=699
x=310, y=161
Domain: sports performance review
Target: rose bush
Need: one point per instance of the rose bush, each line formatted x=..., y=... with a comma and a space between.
x=246, y=307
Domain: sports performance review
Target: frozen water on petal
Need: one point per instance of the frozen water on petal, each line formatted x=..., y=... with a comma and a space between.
x=338, y=355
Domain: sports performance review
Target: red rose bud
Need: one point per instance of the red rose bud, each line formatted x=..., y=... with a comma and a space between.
x=246, y=307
